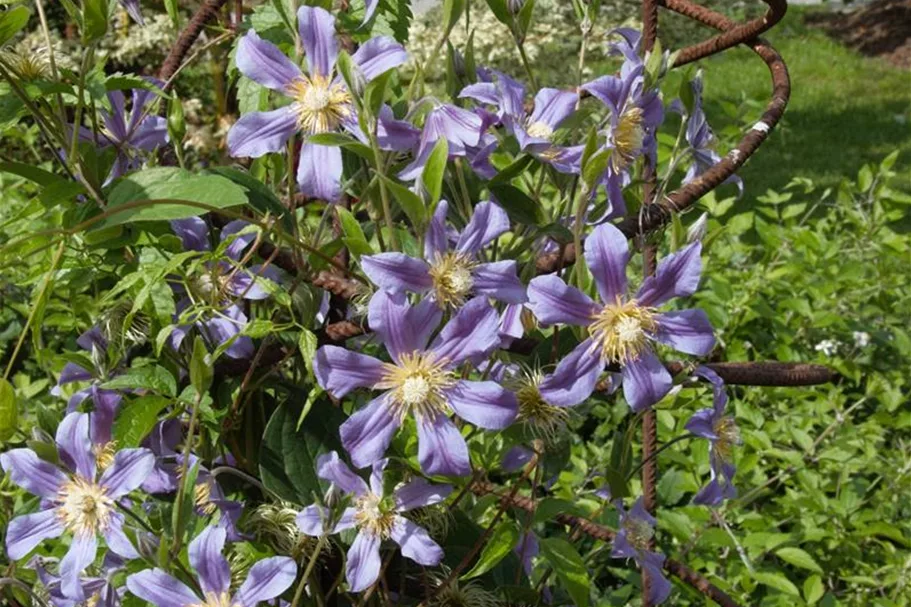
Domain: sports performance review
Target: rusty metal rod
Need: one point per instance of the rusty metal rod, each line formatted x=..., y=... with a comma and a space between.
x=206, y=13
x=732, y=36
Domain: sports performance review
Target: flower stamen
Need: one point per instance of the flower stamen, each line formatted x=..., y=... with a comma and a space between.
x=620, y=330
x=628, y=138
x=452, y=278
x=84, y=507
x=373, y=515
x=728, y=437
x=321, y=104
x=417, y=384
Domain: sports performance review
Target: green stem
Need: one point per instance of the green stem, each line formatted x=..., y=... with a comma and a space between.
x=526, y=64
x=384, y=195
x=299, y=592
x=182, y=489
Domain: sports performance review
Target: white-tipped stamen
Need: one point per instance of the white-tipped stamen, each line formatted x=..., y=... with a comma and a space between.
x=620, y=330
x=321, y=105
x=452, y=278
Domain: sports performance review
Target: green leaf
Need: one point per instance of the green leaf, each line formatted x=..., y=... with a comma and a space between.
x=171, y=7
x=200, y=367
x=813, y=589
x=500, y=11
x=166, y=188
x=345, y=141
x=498, y=546
x=518, y=205
x=11, y=21
x=152, y=377
x=410, y=202
x=136, y=419
x=513, y=170
x=452, y=10
x=289, y=451
x=434, y=170
x=181, y=515
x=550, y=507
x=95, y=20
x=569, y=567
x=776, y=581
x=32, y=173
x=375, y=93
x=595, y=166
x=354, y=239
x=9, y=411
x=523, y=19
x=259, y=195
x=798, y=558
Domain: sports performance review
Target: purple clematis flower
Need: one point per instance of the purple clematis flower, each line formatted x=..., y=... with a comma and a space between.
x=221, y=283
x=635, y=114
x=99, y=591
x=533, y=131
x=452, y=276
x=461, y=128
x=637, y=528
x=267, y=579
x=376, y=517
x=75, y=499
x=134, y=10
x=621, y=327
x=722, y=434
x=321, y=102
x=420, y=381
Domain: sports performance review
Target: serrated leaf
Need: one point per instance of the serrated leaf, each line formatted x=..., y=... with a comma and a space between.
x=798, y=558
x=136, y=419
x=569, y=567
x=498, y=546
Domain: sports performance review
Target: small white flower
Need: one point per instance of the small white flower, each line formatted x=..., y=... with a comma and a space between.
x=828, y=347
x=861, y=339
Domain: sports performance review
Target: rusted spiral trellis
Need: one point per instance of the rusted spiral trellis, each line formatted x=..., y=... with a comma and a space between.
x=653, y=216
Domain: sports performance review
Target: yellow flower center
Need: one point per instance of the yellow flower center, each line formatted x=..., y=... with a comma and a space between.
x=417, y=385
x=104, y=454
x=215, y=599
x=373, y=515
x=638, y=533
x=452, y=279
x=540, y=130
x=542, y=418
x=84, y=507
x=628, y=136
x=202, y=497
x=728, y=437
x=620, y=330
x=321, y=105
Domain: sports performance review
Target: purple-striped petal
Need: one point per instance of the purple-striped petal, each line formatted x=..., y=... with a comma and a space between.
x=239, y=242
x=379, y=55
x=160, y=589
x=366, y=434
x=415, y=543
x=483, y=403
x=101, y=419
x=485, y=92
x=687, y=331
x=267, y=579
x=574, y=378
x=27, y=531
x=317, y=32
x=554, y=302
x=397, y=272
x=487, y=223
x=419, y=493
x=441, y=447
x=392, y=134
x=80, y=555
x=607, y=253
x=206, y=559
x=259, y=133
x=436, y=240
x=702, y=423
x=553, y=106
x=677, y=275
x=470, y=334
x=331, y=468
x=645, y=381
x=319, y=172
x=116, y=539
x=403, y=328
x=609, y=90
x=72, y=372
x=151, y=133
x=363, y=567
x=75, y=445
x=33, y=474
x=261, y=61
x=313, y=520
x=193, y=233
x=128, y=470
x=377, y=472
x=339, y=371
x=498, y=280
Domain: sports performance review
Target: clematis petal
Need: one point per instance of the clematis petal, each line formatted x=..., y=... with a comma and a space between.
x=470, y=334
x=609, y=90
x=575, y=377
x=263, y=62
x=317, y=32
x=80, y=555
x=645, y=381
x=239, y=241
x=151, y=133
x=75, y=445
x=677, y=275
x=702, y=423
x=339, y=371
x=33, y=474
x=346, y=521
x=319, y=171
x=687, y=331
x=27, y=531
x=607, y=253
x=498, y=280
x=487, y=223
x=267, y=579
x=206, y=559
x=129, y=468
x=659, y=586
x=259, y=133
x=366, y=434
x=117, y=540
x=312, y=520
x=485, y=92
x=553, y=106
x=160, y=589
x=416, y=543
x=330, y=467
x=401, y=327
x=363, y=567
x=436, y=241
x=441, y=447
x=397, y=272
x=483, y=403
x=72, y=372
x=379, y=55
x=419, y=493
x=554, y=302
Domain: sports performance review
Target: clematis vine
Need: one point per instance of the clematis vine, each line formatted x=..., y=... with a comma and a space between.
x=267, y=579
x=452, y=276
x=79, y=499
x=620, y=327
x=320, y=100
x=376, y=516
x=420, y=382
x=723, y=435
x=637, y=528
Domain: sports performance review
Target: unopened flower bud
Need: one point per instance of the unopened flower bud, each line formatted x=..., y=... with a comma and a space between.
x=697, y=231
x=177, y=126
x=514, y=6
